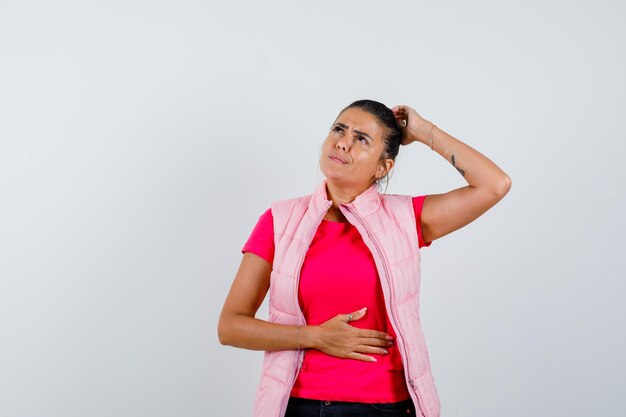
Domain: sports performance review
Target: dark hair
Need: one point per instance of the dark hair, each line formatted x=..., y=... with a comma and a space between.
x=392, y=133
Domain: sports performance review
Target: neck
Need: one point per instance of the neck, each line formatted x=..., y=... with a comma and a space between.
x=341, y=194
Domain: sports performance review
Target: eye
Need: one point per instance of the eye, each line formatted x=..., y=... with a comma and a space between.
x=362, y=137
x=337, y=129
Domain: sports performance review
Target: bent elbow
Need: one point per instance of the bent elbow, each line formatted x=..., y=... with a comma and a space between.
x=504, y=186
x=222, y=333
x=222, y=338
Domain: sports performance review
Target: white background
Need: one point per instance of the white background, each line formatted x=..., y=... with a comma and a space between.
x=141, y=140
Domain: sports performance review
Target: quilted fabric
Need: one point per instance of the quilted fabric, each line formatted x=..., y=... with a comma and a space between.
x=387, y=225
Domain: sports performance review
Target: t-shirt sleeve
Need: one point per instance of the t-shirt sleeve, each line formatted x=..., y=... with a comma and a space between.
x=261, y=240
x=418, y=203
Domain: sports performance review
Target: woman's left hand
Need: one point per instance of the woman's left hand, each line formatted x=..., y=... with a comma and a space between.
x=414, y=127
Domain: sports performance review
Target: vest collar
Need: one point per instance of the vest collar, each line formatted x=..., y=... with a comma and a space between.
x=365, y=203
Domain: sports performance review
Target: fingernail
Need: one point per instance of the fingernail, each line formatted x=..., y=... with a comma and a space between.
x=389, y=337
x=385, y=351
x=373, y=359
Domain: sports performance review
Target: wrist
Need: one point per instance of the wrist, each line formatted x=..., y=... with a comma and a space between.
x=425, y=133
x=309, y=337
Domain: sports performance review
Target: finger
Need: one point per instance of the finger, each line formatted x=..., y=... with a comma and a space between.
x=374, y=334
x=360, y=357
x=372, y=341
x=371, y=349
x=355, y=315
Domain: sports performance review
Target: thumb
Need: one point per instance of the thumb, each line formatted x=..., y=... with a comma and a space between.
x=356, y=315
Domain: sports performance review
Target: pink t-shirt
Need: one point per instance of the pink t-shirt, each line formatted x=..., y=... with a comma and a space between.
x=339, y=276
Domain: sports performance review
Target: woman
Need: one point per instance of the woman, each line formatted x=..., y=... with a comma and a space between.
x=342, y=268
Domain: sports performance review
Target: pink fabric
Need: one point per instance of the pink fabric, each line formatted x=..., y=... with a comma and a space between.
x=339, y=276
x=261, y=240
x=338, y=263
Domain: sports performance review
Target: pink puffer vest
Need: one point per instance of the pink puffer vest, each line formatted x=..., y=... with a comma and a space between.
x=387, y=225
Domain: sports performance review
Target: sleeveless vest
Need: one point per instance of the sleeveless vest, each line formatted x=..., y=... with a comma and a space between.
x=387, y=225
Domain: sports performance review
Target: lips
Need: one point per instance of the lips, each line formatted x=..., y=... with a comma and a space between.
x=338, y=159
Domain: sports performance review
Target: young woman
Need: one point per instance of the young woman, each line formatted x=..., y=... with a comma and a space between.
x=342, y=269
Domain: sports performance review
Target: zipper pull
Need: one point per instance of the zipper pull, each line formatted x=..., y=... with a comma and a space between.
x=412, y=384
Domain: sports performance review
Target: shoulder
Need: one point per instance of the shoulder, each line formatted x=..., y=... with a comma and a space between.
x=416, y=201
x=419, y=200
x=266, y=216
x=397, y=203
x=395, y=198
x=261, y=240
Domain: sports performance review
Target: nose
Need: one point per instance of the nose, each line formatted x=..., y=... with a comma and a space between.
x=344, y=143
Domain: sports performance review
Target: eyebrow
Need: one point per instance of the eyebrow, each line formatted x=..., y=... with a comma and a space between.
x=355, y=131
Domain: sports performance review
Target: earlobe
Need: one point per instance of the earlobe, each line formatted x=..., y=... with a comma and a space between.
x=390, y=166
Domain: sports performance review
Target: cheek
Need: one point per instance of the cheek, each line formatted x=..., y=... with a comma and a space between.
x=326, y=149
x=328, y=142
x=367, y=155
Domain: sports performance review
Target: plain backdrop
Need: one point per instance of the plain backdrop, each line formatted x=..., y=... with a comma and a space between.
x=140, y=141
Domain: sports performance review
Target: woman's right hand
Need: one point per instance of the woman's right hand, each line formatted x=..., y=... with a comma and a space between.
x=338, y=338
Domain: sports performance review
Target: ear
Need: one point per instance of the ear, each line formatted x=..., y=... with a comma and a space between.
x=384, y=168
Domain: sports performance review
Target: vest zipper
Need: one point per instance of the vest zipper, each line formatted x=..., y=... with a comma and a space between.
x=387, y=276
x=393, y=311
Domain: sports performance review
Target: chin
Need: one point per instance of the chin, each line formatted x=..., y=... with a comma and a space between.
x=340, y=180
x=333, y=175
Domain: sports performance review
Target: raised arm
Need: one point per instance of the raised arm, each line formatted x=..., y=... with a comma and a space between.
x=238, y=326
x=444, y=213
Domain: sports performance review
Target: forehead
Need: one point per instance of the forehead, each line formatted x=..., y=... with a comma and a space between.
x=363, y=121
